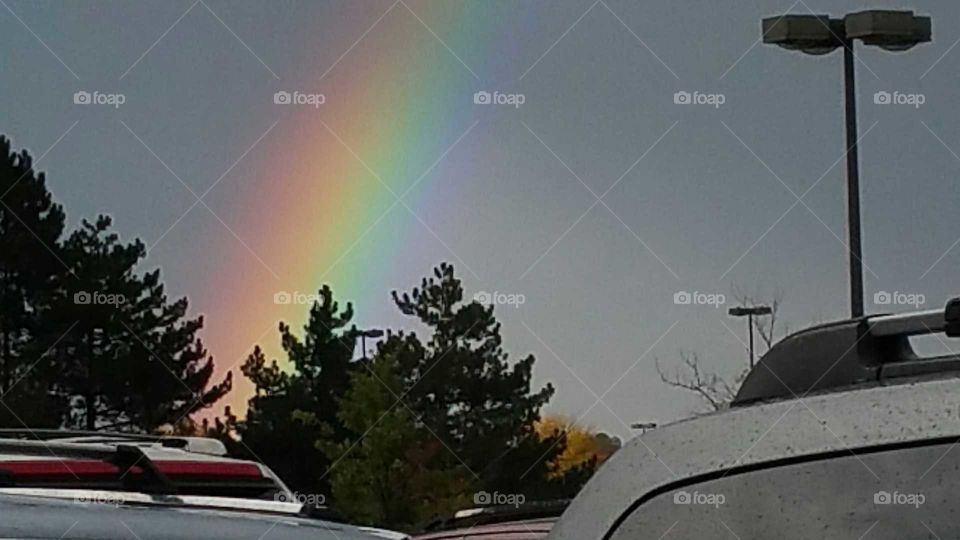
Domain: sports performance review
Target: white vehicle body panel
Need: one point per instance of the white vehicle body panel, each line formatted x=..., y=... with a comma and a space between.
x=90, y=496
x=737, y=437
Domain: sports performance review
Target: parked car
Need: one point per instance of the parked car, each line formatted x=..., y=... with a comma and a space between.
x=120, y=461
x=529, y=521
x=840, y=431
x=104, y=515
x=114, y=485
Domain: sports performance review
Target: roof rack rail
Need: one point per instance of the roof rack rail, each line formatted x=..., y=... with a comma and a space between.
x=850, y=352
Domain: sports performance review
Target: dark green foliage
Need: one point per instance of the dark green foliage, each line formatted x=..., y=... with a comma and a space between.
x=463, y=387
x=30, y=229
x=132, y=360
x=394, y=474
x=86, y=341
x=430, y=424
x=320, y=361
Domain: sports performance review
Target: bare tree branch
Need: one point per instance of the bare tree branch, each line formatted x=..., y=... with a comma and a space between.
x=716, y=391
x=708, y=386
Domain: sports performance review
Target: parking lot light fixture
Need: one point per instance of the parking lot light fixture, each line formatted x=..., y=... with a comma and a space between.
x=750, y=312
x=364, y=334
x=643, y=426
x=821, y=34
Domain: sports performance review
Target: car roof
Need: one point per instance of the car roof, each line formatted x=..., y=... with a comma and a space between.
x=767, y=433
x=44, y=453
x=42, y=517
x=530, y=529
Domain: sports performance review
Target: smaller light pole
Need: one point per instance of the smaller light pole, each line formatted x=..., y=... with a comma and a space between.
x=364, y=334
x=643, y=426
x=750, y=312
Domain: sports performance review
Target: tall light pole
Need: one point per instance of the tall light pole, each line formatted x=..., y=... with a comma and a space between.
x=819, y=34
x=750, y=312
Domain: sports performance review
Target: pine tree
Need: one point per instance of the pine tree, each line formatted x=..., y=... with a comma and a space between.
x=133, y=360
x=276, y=430
x=30, y=228
x=462, y=385
x=394, y=475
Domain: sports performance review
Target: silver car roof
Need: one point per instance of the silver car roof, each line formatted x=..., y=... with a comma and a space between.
x=816, y=424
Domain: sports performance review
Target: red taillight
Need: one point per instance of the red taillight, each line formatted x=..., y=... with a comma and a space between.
x=207, y=468
x=58, y=468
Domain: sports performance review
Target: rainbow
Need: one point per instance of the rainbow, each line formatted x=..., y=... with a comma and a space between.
x=311, y=198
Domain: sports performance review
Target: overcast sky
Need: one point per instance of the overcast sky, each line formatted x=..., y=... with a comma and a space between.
x=745, y=194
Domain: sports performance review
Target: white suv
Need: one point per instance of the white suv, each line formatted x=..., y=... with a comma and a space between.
x=840, y=431
x=68, y=484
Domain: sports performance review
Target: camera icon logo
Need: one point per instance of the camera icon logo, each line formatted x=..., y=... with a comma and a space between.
x=282, y=98
x=481, y=498
x=882, y=298
x=682, y=98
x=681, y=497
x=283, y=298
x=81, y=98
x=483, y=297
x=882, y=497
x=882, y=98
x=82, y=298
x=481, y=98
x=682, y=298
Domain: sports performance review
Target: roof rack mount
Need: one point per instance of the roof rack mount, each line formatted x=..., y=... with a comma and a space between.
x=850, y=352
x=920, y=322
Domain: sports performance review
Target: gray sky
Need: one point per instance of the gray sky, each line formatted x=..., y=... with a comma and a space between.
x=700, y=198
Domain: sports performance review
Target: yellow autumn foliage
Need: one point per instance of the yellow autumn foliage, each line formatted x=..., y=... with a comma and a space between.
x=582, y=444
